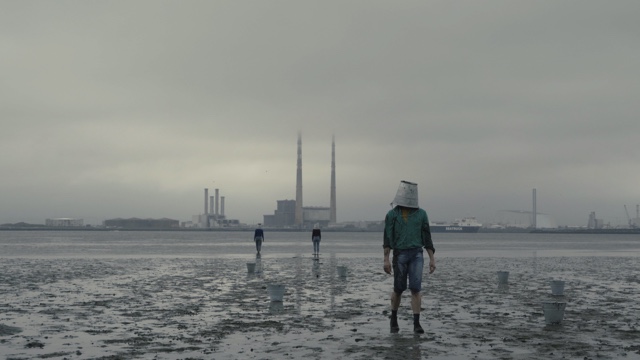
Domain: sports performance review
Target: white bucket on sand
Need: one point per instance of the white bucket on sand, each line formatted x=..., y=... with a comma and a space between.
x=557, y=287
x=251, y=268
x=553, y=311
x=503, y=277
x=276, y=292
x=342, y=271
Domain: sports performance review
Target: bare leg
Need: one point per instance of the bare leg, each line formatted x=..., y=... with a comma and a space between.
x=395, y=300
x=416, y=302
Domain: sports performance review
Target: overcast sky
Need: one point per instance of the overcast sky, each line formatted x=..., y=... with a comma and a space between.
x=131, y=108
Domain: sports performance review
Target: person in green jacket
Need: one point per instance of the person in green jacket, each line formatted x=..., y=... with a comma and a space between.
x=406, y=232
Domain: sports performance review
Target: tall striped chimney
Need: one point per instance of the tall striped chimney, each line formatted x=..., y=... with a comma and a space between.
x=298, y=214
x=217, y=201
x=206, y=208
x=206, y=199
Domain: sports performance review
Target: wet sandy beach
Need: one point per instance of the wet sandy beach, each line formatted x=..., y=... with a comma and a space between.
x=198, y=308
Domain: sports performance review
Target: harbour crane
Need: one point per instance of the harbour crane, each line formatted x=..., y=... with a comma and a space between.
x=628, y=217
x=633, y=223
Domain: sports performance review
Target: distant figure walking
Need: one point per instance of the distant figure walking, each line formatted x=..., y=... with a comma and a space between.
x=258, y=237
x=315, y=238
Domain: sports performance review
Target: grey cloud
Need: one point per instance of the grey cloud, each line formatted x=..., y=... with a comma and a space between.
x=476, y=101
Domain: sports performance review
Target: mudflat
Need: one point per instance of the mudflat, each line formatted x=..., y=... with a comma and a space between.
x=199, y=308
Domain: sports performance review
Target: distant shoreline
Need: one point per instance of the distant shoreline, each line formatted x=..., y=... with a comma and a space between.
x=586, y=231
x=629, y=231
x=245, y=229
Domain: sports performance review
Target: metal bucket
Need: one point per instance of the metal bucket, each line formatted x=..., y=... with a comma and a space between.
x=251, y=268
x=407, y=195
x=342, y=271
x=553, y=311
x=557, y=287
x=276, y=292
x=503, y=277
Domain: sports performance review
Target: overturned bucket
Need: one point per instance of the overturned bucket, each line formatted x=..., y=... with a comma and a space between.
x=557, y=287
x=503, y=277
x=251, y=267
x=553, y=311
x=276, y=292
x=342, y=271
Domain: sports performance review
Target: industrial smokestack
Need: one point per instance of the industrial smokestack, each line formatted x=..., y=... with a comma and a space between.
x=298, y=214
x=222, y=206
x=210, y=204
x=535, y=211
x=206, y=199
x=217, y=205
x=332, y=202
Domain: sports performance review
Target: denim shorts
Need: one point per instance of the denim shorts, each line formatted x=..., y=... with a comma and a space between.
x=407, y=264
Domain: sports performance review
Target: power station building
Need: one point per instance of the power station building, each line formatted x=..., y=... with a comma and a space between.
x=283, y=216
x=292, y=213
x=213, y=216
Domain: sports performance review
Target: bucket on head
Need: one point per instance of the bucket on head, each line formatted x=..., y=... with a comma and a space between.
x=557, y=287
x=503, y=277
x=342, y=271
x=553, y=311
x=407, y=195
x=276, y=292
x=251, y=267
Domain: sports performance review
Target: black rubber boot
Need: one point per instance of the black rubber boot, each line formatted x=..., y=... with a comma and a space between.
x=416, y=324
x=394, y=324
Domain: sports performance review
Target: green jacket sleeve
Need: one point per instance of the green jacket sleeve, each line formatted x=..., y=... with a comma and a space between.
x=388, y=231
x=427, y=242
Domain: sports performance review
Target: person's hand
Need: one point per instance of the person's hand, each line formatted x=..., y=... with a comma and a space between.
x=432, y=266
x=387, y=266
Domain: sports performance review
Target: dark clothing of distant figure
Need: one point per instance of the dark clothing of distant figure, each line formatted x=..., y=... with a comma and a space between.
x=315, y=238
x=258, y=237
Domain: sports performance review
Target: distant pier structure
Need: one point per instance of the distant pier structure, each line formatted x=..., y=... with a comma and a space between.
x=534, y=214
x=332, y=203
x=299, y=219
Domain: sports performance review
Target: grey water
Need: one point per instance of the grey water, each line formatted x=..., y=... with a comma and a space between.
x=239, y=244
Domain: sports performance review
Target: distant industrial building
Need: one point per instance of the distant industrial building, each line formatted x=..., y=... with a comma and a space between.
x=594, y=223
x=283, y=216
x=213, y=216
x=135, y=223
x=292, y=213
x=64, y=222
x=316, y=215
